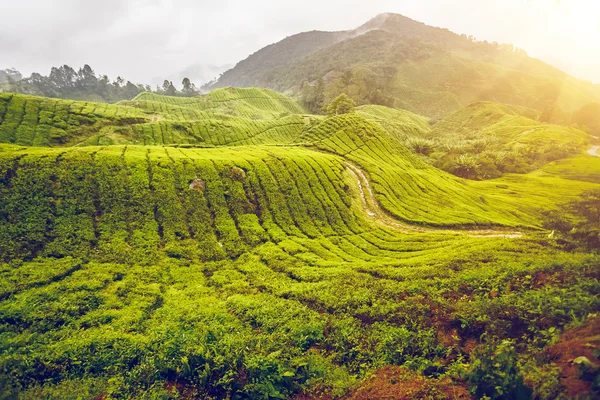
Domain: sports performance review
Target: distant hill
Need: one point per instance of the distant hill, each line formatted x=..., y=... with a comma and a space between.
x=225, y=116
x=395, y=61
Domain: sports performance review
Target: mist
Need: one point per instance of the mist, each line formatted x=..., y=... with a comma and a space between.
x=146, y=40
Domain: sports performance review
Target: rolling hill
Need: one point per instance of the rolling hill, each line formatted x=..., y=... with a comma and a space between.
x=235, y=246
x=395, y=61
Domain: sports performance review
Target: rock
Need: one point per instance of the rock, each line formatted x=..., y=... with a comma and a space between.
x=238, y=174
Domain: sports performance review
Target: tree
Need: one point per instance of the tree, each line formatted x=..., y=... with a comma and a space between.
x=555, y=115
x=340, y=105
x=87, y=77
x=168, y=88
x=63, y=78
x=189, y=89
x=312, y=96
x=465, y=166
x=10, y=74
x=130, y=90
x=118, y=82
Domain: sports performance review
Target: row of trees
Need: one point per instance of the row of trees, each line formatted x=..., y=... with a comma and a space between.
x=10, y=74
x=84, y=84
x=188, y=89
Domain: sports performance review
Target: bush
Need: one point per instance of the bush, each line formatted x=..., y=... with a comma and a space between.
x=421, y=146
x=494, y=373
x=340, y=105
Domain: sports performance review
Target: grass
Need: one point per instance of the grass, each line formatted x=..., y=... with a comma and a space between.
x=244, y=265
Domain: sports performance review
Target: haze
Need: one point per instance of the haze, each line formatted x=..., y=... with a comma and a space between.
x=144, y=39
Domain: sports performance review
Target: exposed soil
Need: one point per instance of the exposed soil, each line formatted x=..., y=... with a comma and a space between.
x=577, y=342
x=399, y=383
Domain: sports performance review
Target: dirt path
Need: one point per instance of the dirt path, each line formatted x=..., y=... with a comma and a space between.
x=594, y=151
x=373, y=210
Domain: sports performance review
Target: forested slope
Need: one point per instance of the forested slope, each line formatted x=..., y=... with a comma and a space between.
x=395, y=61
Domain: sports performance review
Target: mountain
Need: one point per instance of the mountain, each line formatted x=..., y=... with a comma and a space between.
x=395, y=61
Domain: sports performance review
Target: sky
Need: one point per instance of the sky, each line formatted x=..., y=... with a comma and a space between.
x=145, y=39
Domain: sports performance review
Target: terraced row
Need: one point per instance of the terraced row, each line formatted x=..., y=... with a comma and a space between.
x=39, y=121
x=43, y=122
x=417, y=193
x=120, y=199
x=249, y=103
x=220, y=130
x=276, y=316
x=119, y=203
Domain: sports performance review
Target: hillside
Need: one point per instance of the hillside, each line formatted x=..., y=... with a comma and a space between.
x=234, y=246
x=395, y=61
x=374, y=138
x=485, y=140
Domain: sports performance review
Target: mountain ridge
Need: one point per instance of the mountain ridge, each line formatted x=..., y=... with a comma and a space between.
x=431, y=65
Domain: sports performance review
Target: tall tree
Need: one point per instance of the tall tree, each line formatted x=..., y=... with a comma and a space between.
x=168, y=88
x=87, y=77
x=189, y=89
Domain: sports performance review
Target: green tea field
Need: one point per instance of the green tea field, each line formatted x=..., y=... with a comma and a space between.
x=235, y=246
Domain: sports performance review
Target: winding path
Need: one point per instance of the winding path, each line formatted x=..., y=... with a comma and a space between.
x=373, y=210
x=594, y=151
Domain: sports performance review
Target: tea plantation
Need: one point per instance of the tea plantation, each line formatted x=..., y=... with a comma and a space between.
x=234, y=246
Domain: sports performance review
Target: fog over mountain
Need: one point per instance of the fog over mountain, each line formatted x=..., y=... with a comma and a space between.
x=144, y=39
x=197, y=73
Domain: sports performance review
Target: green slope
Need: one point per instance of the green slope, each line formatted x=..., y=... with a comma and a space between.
x=243, y=263
x=375, y=138
x=123, y=199
x=485, y=140
x=40, y=121
x=228, y=116
x=249, y=103
x=417, y=193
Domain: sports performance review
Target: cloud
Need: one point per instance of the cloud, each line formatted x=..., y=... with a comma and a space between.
x=142, y=39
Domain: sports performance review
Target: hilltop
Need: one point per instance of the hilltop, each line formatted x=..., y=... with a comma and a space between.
x=395, y=61
x=233, y=245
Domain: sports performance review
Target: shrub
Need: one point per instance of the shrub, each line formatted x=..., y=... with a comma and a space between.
x=465, y=166
x=340, y=105
x=421, y=145
x=494, y=373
